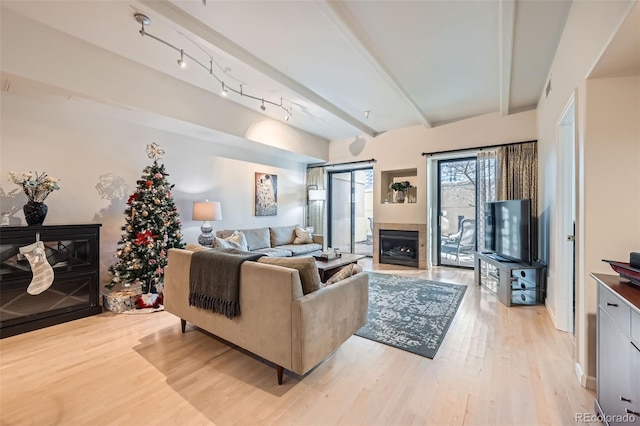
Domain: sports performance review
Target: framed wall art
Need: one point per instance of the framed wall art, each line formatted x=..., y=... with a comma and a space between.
x=266, y=194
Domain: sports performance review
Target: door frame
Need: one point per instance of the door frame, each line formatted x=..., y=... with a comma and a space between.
x=567, y=196
x=438, y=233
x=352, y=208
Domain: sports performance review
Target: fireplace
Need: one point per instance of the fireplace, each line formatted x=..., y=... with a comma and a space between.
x=399, y=247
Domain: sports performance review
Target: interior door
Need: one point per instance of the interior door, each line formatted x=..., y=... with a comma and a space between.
x=351, y=211
x=566, y=184
x=457, y=212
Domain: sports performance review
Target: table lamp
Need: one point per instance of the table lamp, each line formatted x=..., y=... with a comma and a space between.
x=206, y=211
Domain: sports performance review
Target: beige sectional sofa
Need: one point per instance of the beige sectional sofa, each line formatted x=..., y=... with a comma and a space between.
x=276, y=241
x=277, y=322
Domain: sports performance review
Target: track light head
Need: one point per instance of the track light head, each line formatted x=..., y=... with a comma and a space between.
x=262, y=107
x=142, y=19
x=181, y=61
x=225, y=92
x=287, y=116
x=366, y=114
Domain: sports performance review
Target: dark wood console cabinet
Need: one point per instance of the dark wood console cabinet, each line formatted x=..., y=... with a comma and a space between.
x=73, y=253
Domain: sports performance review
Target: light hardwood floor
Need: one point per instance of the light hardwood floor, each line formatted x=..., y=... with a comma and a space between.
x=496, y=366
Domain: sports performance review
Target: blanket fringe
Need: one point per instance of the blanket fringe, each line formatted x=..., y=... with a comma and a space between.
x=227, y=308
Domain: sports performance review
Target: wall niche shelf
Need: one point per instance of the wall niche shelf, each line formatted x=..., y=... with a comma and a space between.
x=388, y=196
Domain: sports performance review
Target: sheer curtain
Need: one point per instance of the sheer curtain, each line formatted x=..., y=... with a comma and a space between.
x=518, y=179
x=486, y=189
x=315, y=209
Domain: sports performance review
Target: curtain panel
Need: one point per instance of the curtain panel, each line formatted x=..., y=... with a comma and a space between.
x=316, y=209
x=518, y=179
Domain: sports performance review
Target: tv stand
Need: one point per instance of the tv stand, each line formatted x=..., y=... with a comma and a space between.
x=499, y=258
x=514, y=283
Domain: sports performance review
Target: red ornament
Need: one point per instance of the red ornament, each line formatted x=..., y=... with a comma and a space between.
x=133, y=197
x=144, y=238
x=149, y=183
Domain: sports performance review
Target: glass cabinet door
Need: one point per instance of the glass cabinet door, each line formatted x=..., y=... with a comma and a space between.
x=72, y=251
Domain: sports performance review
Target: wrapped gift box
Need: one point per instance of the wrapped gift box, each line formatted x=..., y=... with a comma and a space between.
x=119, y=301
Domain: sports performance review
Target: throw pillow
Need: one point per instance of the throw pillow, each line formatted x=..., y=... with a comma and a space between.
x=343, y=273
x=235, y=240
x=302, y=236
x=306, y=266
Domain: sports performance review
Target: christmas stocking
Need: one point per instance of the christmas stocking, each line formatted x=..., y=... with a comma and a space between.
x=42, y=272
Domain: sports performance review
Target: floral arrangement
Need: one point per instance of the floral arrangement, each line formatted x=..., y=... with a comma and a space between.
x=36, y=186
x=400, y=186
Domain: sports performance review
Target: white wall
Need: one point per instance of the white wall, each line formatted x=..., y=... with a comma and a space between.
x=611, y=188
x=72, y=142
x=589, y=28
x=402, y=148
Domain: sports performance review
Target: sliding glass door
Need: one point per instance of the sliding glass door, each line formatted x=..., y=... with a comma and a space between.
x=351, y=211
x=457, y=206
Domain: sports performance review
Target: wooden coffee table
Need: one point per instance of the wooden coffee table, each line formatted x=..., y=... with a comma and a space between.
x=326, y=266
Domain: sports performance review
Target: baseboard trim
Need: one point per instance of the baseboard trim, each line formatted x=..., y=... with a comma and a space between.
x=551, y=314
x=585, y=381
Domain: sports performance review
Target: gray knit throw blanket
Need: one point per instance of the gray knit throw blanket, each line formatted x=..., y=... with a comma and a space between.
x=214, y=282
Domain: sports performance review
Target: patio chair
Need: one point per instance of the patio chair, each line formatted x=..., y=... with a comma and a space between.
x=461, y=243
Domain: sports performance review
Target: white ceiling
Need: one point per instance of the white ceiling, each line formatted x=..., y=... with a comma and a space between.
x=407, y=62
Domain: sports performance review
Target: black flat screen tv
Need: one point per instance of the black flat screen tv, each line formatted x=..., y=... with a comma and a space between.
x=508, y=230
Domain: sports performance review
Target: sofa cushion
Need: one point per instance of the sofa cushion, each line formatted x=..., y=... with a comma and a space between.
x=236, y=240
x=281, y=235
x=303, y=236
x=256, y=238
x=274, y=252
x=298, y=249
x=196, y=247
x=306, y=266
x=344, y=272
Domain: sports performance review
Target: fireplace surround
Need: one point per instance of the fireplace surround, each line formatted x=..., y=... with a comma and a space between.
x=399, y=247
x=422, y=239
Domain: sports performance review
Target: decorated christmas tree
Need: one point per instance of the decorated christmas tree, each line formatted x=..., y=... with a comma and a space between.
x=152, y=227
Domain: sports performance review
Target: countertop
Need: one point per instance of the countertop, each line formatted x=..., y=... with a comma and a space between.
x=622, y=287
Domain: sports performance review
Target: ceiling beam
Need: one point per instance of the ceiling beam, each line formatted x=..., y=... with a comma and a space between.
x=337, y=15
x=507, y=9
x=198, y=28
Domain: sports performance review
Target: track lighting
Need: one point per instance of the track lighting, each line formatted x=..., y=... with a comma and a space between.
x=366, y=114
x=181, y=61
x=144, y=20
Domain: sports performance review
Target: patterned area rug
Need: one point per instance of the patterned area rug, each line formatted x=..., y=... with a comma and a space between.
x=410, y=313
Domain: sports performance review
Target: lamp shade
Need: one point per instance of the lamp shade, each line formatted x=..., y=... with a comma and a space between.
x=207, y=210
x=317, y=194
